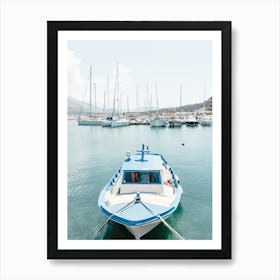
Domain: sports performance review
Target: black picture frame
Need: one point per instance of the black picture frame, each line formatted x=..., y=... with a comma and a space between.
x=53, y=27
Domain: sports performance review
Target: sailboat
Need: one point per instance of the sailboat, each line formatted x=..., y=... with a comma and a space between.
x=157, y=121
x=116, y=121
x=191, y=121
x=89, y=119
x=205, y=120
x=175, y=122
x=119, y=122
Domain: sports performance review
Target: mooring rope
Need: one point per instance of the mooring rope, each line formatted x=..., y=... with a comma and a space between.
x=164, y=222
x=109, y=218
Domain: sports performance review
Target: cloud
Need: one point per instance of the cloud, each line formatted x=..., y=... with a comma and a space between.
x=78, y=85
x=76, y=82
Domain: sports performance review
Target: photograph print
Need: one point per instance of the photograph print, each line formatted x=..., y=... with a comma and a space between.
x=139, y=153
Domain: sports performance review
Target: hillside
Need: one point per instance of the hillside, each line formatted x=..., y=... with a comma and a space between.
x=190, y=107
x=74, y=107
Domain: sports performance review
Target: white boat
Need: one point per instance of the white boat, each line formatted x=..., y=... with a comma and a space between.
x=175, y=123
x=119, y=122
x=115, y=121
x=106, y=123
x=191, y=121
x=206, y=121
x=158, y=122
x=142, y=193
x=89, y=119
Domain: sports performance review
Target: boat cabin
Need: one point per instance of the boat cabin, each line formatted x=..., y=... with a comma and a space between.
x=147, y=174
x=142, y=177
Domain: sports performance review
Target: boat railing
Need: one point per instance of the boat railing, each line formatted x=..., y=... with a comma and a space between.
x=174, y=177
x=175, y=180
x=114, y=179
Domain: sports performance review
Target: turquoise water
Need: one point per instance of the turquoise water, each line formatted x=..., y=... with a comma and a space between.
x=95, y=153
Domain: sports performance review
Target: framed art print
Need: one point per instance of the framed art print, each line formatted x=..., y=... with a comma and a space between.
x=139, y=140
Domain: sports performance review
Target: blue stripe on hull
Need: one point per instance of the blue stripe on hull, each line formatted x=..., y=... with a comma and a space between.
x=126, y=222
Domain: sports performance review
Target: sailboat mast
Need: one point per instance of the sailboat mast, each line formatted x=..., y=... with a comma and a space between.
x=104, y=105
x=120, y=107
x=95, y=98
x=180, y=100
x=90, y=109
x=156, y=96
x=115, y=91
x=145, y=105
x=204, y=91
x=127, y=103
x=118, y=92
x=147, y=98
x=108, y=91
x=137, y=101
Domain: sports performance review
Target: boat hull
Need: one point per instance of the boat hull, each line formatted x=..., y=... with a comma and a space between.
x=191, y=123
x=206, y=123
x=106, y=124
x=89, y=122
x=139, y=231
x=119, y=123
x=158, y=123
x=139, y=228
x=175, y=124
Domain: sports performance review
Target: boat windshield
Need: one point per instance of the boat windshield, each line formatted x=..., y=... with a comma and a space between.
x=142, y=177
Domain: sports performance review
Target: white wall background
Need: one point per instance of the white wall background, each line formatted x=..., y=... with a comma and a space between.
x=255, y=138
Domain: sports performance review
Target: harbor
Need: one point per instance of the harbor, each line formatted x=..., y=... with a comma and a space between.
x=95, y=153
x=90, y=113
x=146, y=118
x=141, y=193
x=115, y=194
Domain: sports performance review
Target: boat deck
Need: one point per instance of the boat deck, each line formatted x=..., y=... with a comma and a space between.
x=165, y=199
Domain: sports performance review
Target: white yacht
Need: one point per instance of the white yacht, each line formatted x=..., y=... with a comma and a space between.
x=158, y=122
x=206, y=121
x=192, y=121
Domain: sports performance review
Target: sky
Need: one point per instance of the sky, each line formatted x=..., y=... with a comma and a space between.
x=157, y=65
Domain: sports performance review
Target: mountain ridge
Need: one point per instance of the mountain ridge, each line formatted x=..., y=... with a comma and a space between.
x=74, y=107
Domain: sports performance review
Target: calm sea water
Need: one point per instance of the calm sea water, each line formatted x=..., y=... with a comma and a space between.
x=95, y=153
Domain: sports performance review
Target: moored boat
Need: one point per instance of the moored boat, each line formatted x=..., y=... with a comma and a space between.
x=206, y=121
x=120, y=122
x=107, y=122
x=89, y=119
x=175, y=123
x=192, y=121
x=158, y=122
x=142, y=193
x=115, y=120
